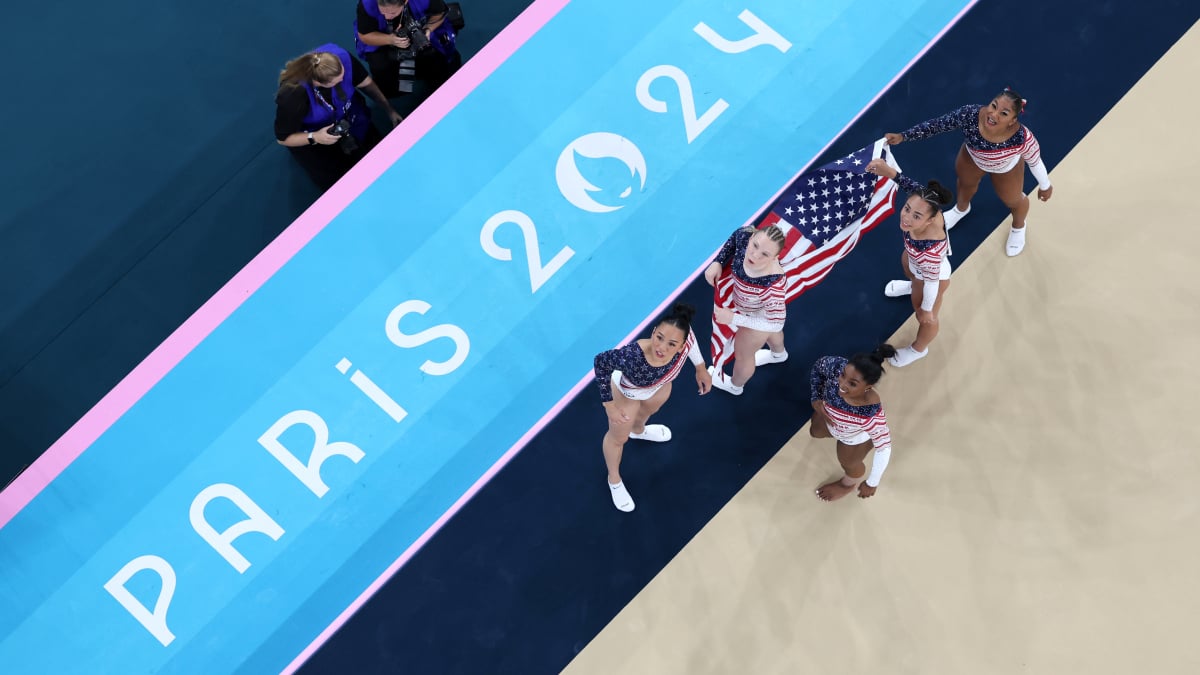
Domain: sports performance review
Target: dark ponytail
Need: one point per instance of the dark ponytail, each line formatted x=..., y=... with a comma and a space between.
x=937, y=193
x=870, y=364
x=680, y=315
x=1018, y=101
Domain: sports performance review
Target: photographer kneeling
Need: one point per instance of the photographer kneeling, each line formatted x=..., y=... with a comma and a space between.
x=321, y=117
x=406, y=40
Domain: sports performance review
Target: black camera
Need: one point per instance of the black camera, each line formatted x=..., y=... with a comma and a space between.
x=346, y=142
x=418, y=43
x=414, y=30
x=406, y=59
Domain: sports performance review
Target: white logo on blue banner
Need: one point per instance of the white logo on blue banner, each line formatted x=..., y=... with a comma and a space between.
x=600, y=145
x=332, y=422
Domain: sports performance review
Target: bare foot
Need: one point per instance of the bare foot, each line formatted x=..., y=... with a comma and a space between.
x=834, y=491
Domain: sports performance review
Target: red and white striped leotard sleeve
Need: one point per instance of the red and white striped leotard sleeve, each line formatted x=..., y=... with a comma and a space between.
x=847, y=421
x=925, y=255
x=847, y=424
x=991, y=157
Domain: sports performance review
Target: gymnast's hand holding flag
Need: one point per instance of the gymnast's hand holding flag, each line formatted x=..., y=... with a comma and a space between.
x=819, y=217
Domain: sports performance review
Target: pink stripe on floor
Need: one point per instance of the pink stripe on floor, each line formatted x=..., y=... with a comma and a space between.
x=205, y=320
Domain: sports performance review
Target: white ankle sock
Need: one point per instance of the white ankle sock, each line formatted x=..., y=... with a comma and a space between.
x=620, y=497
x=1016, y=241
x=953, y=215
x=906, y=355
x=764, y=357
x=723, y=382
x=658, y=433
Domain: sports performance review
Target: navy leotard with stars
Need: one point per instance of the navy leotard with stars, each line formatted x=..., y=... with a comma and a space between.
x=636, y=371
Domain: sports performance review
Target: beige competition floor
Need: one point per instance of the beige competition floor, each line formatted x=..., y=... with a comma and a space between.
x=1040, y=514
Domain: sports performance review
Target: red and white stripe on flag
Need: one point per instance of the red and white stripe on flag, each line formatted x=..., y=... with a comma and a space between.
x=807, y=260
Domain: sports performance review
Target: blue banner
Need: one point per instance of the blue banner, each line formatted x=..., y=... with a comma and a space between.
x=240, y=506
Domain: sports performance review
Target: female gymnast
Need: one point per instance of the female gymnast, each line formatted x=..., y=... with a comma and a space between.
x=759, y=306
x=847, y=408
x=995, y=143
x=642, y=372
x=924, y=258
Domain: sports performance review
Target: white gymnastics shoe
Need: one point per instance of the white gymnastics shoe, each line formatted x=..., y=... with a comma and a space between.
x=906, y=355
x=620, y=497
x=722, y=382
x=898, y=288
x=659, y=433
x=1016, y=241
x=764, y=357
x=953, y=215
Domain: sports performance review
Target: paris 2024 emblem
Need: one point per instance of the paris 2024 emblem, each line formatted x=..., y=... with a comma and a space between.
x=599, y=145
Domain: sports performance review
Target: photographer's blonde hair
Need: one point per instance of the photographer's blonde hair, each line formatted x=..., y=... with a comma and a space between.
x=311, y=67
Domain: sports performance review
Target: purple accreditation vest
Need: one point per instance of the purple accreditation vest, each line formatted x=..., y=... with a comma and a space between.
x=442, y=39
x=339, y=103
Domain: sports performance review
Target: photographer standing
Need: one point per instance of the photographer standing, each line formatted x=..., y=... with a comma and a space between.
x=406, y=40
x=322, y=118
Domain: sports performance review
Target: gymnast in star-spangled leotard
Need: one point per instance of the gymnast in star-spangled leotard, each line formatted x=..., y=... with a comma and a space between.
x=996, y=143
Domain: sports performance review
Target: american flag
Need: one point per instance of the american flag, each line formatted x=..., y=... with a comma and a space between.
x=823, y=213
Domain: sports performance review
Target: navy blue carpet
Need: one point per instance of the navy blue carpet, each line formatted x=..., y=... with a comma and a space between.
x=539, y=561
x=146, y=175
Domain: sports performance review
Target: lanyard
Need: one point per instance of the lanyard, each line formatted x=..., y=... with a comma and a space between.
x=327, y=104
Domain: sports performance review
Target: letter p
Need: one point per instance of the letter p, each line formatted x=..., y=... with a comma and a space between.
x=154, y=621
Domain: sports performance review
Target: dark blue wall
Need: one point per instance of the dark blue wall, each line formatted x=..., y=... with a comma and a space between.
x=140, y=173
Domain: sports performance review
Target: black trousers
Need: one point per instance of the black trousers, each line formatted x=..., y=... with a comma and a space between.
x=433, y=69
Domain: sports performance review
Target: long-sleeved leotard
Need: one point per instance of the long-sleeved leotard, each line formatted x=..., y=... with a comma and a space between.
x=991, y=157
x=927, y=258
x=636, y=378
x=850, y=423
x=759, y=303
